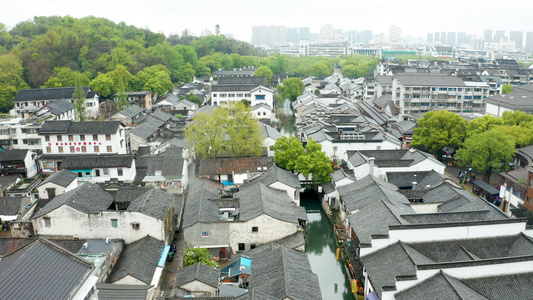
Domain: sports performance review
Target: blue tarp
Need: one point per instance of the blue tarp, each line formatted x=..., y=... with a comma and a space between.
x=163, y=257
x=372, y=296
x=238, y=267
x=226, y=182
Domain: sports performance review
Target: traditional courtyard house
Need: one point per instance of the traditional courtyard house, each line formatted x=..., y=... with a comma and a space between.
x=167, y=170
x=101, y=168
x=57, y=183
x=54, y=273
x=138, y=265
x=520, y=99
x=230, y=90
x=379, y=162
x=66, y=138
x=131, y=115
x=269, y=136
x=29, y=102
x=236, y=170
x=58, y=110
x=18, y=162
x=280, y=179
x=197, y=280
x=90, y=212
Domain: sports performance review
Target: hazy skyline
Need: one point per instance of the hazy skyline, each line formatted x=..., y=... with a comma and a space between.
x=414, y=17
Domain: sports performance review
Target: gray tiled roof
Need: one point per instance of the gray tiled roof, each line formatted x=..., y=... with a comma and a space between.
x=70, y=127
x=13, y=155
x=163, y=116
x=97, y=161
x=422, y=178
x=154, y=203
x=250, y=80
x=257, y=199
x=108, y=291
x=200, y=272
x=11, y=206
x=88, y=198
x=170, y=165
x=60, y=106
x=132, y=111
x=47, y=94
x=277, y=174
x=512, y=286
x=62, y=178
x=11, y=244
x=440, y=286
x=7, y=181
x=138, y=259
x=520, y=99
x=292, y=241
x=198, y=208
x=283, y=273
x=269, y=131
x=147, y=129
x=429, y=80
x=41, y=270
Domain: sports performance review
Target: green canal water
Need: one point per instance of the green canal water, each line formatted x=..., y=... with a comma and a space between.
x=320, y=249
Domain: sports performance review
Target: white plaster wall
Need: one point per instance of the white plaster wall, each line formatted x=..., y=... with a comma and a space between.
x=66, y=221
x=444, y=234
x=463, y=273
x=128, y=174
x=262, y=113
x=494, y=110
x=269, y=229
x=135, y=142
x=218, y=234
x=31, y=167
x=269, y=142
x=342, y=148
x=59, y=189
x=241, y=178
x=423, y=208
x=290, y=191
x=197, y=286
x=362, y=170
x=343, y=182
x=269, y=97
x=130, y=280
x=102, y=143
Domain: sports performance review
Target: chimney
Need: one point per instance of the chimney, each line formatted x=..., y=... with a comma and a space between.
x=371, y=161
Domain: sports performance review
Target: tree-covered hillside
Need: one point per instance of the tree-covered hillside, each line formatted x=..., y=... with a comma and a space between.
x=62, y=51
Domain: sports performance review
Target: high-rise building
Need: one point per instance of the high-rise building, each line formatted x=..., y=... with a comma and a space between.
x=429, y=38
x=518, y=38
x=451, y=39
x=436, y=37
x=365, y=36
x=353, y=36
x=303, y=33
x=529, y=41
x=395, y=34
x=461, y=38
x=338, y=35
x=477, y=43
x=260, y=35
x=443, y=38
x=487, y=35
x=499, y=35
x=292, y=35
x=326, y=32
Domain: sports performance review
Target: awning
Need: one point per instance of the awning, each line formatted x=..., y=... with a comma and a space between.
x=486, y=187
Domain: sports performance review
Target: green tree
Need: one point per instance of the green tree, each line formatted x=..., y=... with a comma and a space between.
x=206, y=133
x=186, y=73
x=315, y=162
x=507, y=88
x=121, y=77
x=322, y=68
x=292, y=88
x=291, y=155
x=53, y=82
x=244, y=132
x=122, y=96
x=11, y=80
x=193, y=98
x=287, y=150
x=350, y=71
x=437, y=129
x=479, y=125
x=522, y=135
x=264, y=71
x=103, y=85
x=79, y=102
x=516, y=117
x=198, y=255
x=486, y=151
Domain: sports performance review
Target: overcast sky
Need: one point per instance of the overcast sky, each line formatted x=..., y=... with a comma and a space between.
x=416, y=17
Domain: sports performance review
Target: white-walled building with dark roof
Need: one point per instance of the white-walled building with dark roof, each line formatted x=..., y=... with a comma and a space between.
x=29, y=102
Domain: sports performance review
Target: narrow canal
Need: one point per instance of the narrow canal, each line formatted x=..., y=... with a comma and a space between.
x=320, y=249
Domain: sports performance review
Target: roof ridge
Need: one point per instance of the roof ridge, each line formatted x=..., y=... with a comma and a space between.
x=451, y=285
x=143, y=244
x=285, y=283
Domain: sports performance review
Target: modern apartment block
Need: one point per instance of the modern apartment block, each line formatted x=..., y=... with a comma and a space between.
x=423, y=93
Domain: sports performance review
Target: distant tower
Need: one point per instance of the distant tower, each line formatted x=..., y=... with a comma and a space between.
x=529, y=42
x=518, y=38
x=487, y=35
x=395, y=34
x=326, y=32
x=429, y=38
